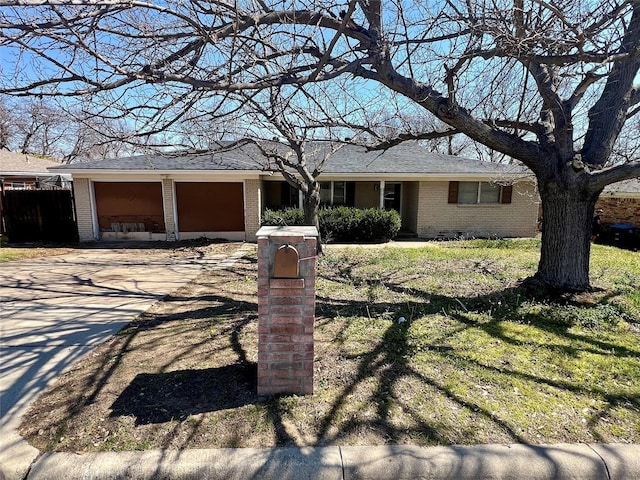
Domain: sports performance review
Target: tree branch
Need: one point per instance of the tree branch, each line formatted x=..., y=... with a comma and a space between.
x=343, y=25
x=403, y=137
x=608, y=114
x=615, y=174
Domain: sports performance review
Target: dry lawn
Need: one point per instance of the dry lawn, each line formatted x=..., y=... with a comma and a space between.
x=478, y=360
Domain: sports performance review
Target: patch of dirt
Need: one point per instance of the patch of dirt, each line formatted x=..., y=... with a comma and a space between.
x=198, y=248
x=153, y=383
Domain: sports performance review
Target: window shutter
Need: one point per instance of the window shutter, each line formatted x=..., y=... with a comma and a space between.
x=453, y=192
x=507, y=192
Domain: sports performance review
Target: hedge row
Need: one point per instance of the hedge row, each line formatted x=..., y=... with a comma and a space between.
x=343, y=224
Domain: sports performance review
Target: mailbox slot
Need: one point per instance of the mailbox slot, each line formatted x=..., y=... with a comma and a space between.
x=286, y=262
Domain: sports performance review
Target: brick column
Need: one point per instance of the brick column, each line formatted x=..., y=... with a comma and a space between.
x=286, y=313
x=84, y=209
x=167, y=207
x=252, y=208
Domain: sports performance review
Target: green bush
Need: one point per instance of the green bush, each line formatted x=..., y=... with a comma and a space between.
x=343, y=224
x=287, y=217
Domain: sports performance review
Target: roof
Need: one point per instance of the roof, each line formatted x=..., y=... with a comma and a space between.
x=631, y=187
x=407, y=158
x=241, y=159
x=14, y=163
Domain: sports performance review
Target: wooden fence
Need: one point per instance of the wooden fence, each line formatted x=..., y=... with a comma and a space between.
x=39, y=216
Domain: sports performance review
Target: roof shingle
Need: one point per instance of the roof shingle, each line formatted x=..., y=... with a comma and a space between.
x=14, y=163
x=409, y=158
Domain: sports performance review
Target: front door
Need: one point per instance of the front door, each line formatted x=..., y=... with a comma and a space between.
x=392, y=196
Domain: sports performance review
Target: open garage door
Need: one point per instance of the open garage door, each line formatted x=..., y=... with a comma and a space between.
x=210, y=207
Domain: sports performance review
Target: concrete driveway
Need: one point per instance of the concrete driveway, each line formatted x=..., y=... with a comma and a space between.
x=53, y=310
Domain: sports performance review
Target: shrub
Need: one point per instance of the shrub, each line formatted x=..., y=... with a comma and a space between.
x=287, y=217
x=343, y=224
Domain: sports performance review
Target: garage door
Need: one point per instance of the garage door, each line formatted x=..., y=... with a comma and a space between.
x=210, y=207
x=129, y=206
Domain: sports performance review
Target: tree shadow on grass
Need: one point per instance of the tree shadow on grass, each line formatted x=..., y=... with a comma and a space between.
x=390, y=359
x=501, y=305
x=390, y=362
x=176, y=395
x=155, y=398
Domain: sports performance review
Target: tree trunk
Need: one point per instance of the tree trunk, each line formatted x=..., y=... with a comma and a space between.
x=310, y=206
x=567, y=219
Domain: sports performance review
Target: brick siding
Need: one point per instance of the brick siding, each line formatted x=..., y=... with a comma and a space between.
x=252, y=208
x=437, y=218
x=84, y=213
x=619, y=210
x=167, y=205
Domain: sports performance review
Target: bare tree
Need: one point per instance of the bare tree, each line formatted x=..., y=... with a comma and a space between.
x=307, y=126
x=7, y=121
x=40, y=127
x=91, y=137
x=31, y=125
x=550, y=84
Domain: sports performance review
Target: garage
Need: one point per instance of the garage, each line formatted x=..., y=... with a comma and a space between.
x=208, y=208
x=126, y=207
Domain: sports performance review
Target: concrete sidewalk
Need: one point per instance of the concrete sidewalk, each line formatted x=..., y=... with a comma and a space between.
x=483, y=462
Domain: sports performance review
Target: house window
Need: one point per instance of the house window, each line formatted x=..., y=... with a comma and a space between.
x=337, y=193
x=17, y=185
x=478, y=193
x=289, y=196
x=489, y=193
x=392, y=196
x=468, y=192
x=325, y=193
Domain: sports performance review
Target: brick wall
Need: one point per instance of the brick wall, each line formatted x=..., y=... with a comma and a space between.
x=167, y=206
x=252, y=208
x=619, y=210
x=84, y=213
x=286, y=314
x=437, y=218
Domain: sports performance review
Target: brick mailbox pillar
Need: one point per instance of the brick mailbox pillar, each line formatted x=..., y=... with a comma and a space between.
x=286, y=309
